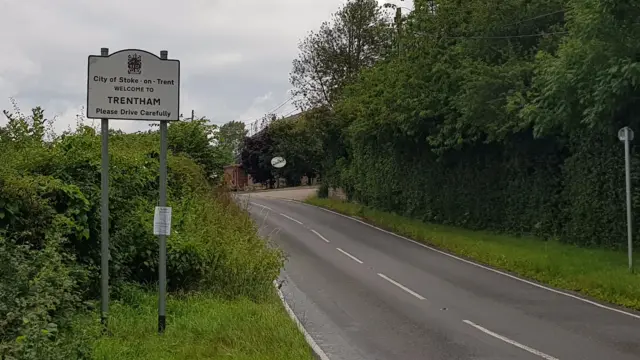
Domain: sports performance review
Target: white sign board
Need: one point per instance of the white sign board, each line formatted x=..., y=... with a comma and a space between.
x=162, y=221
x=133, y=85
x=622, y=134
x=278, y=162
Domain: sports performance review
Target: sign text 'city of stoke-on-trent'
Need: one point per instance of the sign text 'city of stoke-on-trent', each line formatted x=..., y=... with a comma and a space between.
x=133, y=85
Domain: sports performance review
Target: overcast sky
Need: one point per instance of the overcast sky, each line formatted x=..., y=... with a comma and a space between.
x=235, y=55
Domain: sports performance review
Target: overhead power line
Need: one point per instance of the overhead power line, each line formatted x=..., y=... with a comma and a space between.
x=255, y=124
x=535, y=18
x=290, y=112
x=279, y=106
x=498, y=37
x=272, y=111
x=507, y=36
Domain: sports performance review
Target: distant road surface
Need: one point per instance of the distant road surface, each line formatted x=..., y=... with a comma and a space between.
x=363, y=293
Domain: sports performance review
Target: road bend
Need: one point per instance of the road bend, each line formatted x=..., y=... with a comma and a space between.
x=363, y=293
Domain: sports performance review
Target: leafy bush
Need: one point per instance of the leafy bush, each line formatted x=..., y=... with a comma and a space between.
x=50, y=230
x=323, y=191
x=39, y=299
x=193, y=139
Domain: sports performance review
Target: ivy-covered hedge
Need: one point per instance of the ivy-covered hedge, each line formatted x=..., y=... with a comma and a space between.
x=512, y=189
x=524, y=186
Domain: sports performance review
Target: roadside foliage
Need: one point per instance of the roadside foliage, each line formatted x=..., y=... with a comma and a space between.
x=290, y=138
x=498, y=115
x=50, y=230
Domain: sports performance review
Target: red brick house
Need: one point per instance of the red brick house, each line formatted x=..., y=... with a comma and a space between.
x=235, y=177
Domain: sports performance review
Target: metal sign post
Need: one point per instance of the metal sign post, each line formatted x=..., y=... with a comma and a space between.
x=626, y=135
x=134, y=84
x=162, y=236
x=104, y=218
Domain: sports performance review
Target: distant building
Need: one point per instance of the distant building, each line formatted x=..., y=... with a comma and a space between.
x=236, y=177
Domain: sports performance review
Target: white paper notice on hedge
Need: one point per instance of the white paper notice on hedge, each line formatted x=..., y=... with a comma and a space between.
x=162, y=221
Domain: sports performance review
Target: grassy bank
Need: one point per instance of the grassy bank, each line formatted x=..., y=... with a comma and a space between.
x=601, y=274
x=201, y=326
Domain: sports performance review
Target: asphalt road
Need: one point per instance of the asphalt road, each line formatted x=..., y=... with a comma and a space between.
x=363, y=293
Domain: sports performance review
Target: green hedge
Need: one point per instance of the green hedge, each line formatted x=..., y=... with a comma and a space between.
x=50, y=231
x=548, y=187
x=512, y=189
x=474, y=126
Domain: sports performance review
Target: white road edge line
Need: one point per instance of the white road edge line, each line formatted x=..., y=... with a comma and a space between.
x=484, y=267
x=401, y=286
x=265, y=207
x=512, y=342
x=314, y=346
x=349, y=255
x=320, y=236
x=292, y=219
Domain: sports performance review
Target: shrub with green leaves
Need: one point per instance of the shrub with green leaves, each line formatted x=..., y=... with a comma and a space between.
x=50, y=229
x=39, y=299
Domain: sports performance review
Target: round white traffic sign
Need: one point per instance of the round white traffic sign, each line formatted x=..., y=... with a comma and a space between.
x=622, y=133
x=278, y=162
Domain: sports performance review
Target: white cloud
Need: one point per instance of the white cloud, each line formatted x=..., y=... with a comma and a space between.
x=235, y=55
x=216, y=62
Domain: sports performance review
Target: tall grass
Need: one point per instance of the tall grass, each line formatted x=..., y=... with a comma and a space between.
x=202, y=326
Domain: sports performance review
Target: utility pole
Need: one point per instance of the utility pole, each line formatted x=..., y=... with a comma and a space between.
x=193, y=114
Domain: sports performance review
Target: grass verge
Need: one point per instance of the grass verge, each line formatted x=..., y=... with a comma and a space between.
x=201, y=326
x=598, y=273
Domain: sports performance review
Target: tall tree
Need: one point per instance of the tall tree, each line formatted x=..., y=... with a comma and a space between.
x=358, y=35
x=295, y=140
x=194, y=139
x=593, y=78
x=231, y=137
x=256, y=155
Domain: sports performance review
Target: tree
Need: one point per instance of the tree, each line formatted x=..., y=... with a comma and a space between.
x=295, y=140
x=21, y=127
x=231, y=136
x=593, y=78
x=256, y=155
x=196, y=140
x=358, y=36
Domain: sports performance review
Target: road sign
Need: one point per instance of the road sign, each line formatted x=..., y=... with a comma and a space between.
x=622, y=133
x=278, y=162
x=133, y=85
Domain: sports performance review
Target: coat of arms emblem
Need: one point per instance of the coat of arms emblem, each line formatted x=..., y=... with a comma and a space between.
x=135, y=64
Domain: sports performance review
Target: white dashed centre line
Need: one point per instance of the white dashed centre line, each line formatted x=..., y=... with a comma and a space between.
x=349, y=255
x=509, y=341
x=320, y=236
x=290, y=218
x=401, y=286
